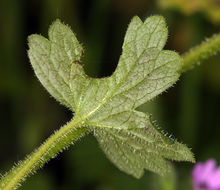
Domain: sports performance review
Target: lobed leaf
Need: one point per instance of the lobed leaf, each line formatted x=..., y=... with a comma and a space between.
x=108, y=104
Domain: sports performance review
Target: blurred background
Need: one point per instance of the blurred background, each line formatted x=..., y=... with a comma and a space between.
x=28, y=115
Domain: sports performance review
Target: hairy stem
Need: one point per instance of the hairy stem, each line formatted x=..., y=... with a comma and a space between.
x=201, y=52
x=49, y=149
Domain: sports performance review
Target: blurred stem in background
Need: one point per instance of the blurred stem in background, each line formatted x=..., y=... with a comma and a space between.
x=165, y=183
x=12, y=75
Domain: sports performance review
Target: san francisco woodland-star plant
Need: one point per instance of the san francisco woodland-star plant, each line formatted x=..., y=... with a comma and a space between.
x=107, y=106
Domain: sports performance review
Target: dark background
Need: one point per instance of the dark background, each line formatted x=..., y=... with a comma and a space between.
x=28, y=115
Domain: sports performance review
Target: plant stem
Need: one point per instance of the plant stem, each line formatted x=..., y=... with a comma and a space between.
x=201, y=52
x=57, y=142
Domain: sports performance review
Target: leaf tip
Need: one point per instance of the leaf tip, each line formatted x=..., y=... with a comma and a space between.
x=184, y=153
x=189, y=156
x=31, y=38
x=136, y=19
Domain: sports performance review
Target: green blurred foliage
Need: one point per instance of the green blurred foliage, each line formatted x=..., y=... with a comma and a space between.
x=210, y=8
x=29, y=115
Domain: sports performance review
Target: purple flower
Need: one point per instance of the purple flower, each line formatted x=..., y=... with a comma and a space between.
x=206, y=176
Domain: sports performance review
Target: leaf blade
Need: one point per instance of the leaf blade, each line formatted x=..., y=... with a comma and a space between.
x=108, y=104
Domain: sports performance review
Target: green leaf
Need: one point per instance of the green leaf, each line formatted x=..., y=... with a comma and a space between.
x=107, y=105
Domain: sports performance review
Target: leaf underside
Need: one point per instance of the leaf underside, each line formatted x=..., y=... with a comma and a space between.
x=108, y=105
